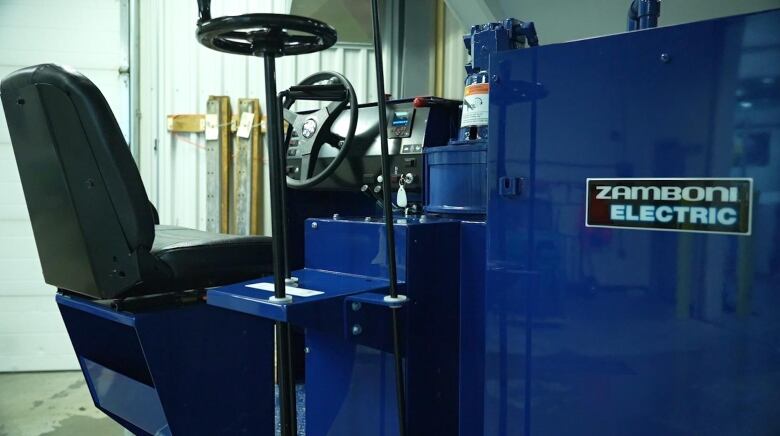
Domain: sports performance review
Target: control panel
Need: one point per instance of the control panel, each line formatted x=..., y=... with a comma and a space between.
x=401, y=123
x=412, y=126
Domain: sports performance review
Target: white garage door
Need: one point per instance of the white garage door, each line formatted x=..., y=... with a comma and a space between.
x=87, y=35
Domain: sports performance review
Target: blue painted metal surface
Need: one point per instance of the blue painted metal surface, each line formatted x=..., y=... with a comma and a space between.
x=364, y=254
x=614, y=332
x=303, y=311
x=366, y=321
x=472, y=328
x=349, y=370
x=190, y=370
x=457, y=178
x=352, y=382
x=129, y=401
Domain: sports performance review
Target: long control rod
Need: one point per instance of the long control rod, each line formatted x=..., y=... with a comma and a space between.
x=388, y=216
x=287, y=397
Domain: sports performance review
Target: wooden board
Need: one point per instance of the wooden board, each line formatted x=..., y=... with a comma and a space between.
x=218, y=163
x=187, y=123
x=247, y=170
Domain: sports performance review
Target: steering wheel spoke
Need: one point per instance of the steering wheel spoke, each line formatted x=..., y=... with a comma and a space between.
x=237, y=35
x=334, y=139
x=335, y=108
x=304, y=40
x=290, y=116
x=307, y=166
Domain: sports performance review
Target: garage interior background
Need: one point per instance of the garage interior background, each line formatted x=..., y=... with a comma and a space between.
x=144, y=57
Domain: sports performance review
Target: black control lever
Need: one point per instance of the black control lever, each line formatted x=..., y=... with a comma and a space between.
x=366, y=190
x=377, y=193
x=392, y=273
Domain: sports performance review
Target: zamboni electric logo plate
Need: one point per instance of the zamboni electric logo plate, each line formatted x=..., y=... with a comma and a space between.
x=680, y=205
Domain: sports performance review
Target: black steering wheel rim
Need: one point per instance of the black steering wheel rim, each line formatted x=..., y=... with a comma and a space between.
x=265, y=34
x=348, y=139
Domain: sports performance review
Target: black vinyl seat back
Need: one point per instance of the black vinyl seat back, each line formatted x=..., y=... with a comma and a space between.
x=91, y=218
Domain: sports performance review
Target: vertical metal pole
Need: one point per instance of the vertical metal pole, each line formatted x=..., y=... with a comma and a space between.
x=283, y=142
x=388, y=215
x=633, y=17
x=649, y=11
x=277, y=178
x=282, y=161
x=135, y=81
x=438, y=81
x=387, y=187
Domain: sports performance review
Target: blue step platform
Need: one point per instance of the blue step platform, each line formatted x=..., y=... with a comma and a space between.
x=331, y=289
x=177, y=371
x=350, y=381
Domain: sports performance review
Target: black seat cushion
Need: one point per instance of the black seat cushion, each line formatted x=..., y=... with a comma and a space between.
x=189, y=258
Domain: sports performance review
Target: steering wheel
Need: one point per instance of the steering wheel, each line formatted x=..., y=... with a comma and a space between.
x=276, y=35
x=264, y=34
x=314, y=129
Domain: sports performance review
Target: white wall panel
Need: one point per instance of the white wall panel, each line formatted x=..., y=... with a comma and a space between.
x=178, y=75
x=32, y=334
x=455, y=55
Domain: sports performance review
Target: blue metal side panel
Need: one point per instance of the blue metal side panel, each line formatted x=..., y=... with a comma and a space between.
x=472, y=327
x=610, y=331
x=212, y=368
x=350, y=388
x=353, y=247
x=190, y=370
x=92, y=326
x=432, y=330
x=115, y=393
x=350, y=380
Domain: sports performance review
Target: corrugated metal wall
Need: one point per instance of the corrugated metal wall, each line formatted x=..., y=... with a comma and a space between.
x=455, y=55
x=177, y=75
x=32, y=334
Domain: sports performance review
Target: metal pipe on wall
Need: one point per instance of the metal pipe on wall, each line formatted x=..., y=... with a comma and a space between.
x=135, y=80
x=438, y=79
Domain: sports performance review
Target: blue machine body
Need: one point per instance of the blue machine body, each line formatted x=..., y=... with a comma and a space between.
x=614, y=331
x=484, y=41
x=521, y=319
x=346, y=327
x=358, y=396
x=457, y=178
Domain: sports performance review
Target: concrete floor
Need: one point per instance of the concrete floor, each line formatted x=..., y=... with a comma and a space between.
x=50, y=404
